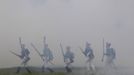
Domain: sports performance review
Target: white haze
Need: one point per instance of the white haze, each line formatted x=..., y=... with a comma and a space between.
x=71, y=22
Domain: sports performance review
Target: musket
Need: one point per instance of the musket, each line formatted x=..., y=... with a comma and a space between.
x=103, y=50
x=62, y=51
x=20, y=42
x=41, y=56
x=44, y=41
x=21, y=48
x=16, y=54
x=81, y=50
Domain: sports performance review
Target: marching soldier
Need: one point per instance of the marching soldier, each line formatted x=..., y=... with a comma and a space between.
x=110, y=55
x=88, y=52
x=46, y=56
x=69, y=58
x=24, y=57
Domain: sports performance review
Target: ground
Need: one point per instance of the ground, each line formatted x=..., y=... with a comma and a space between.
x=12, y=72
x=76, y=71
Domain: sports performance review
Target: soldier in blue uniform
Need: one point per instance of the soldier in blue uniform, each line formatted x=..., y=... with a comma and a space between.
x=88, y=52
x=110, y=55
x=69, y=58
x=47, y=56
x=24, y=57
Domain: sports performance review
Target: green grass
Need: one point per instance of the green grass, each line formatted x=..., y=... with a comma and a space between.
x=39, y=73
x=12, y=72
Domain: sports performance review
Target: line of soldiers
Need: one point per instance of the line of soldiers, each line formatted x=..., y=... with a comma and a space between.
x=68, y=56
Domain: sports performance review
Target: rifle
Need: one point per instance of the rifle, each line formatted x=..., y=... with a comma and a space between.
x=39, y=53
x=44, y=41
x=103, y=50
x=20, y=42
x=62, y=51
x=21, y=48
x=16, y=54
x=81, y=50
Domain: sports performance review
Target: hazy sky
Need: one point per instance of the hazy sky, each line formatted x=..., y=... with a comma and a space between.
x=72, y=22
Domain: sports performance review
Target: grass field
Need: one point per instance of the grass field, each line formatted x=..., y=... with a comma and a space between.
x=12, y=72
x=37, y=71
x=76, y=71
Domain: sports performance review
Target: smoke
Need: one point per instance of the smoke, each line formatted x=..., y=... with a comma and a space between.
x=72, y=23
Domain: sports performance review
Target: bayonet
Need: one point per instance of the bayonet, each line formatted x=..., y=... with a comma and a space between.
x=103, y=50
x=62, y=51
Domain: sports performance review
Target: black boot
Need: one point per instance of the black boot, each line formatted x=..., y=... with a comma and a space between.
x=28, y=70
x=43, y=69
x=68, y=69
x=50, y=70
x=18, y=70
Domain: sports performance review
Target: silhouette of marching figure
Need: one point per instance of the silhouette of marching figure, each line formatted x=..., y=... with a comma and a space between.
x=47, y=57
x=24, y=56
x=88, y=52
x=68, y=58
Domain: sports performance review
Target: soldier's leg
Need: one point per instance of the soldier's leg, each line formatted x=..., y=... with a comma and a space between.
x=69, y=65
x=43, y=67
x=107, y=62
x=18, y=70
x=28, y=70
x=88, y=64
x=92, y=65
x=50, y=70
x=25, y=65
x=68, y=68
x=47, y=67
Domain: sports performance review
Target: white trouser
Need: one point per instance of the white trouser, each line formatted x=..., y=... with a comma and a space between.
x=109, y=62
x=68, y=62
x=110, y=67
x=89, y=64
x=25, y=61
x=46, y=63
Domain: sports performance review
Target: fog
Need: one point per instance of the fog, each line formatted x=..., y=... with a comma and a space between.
x=70, y=22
